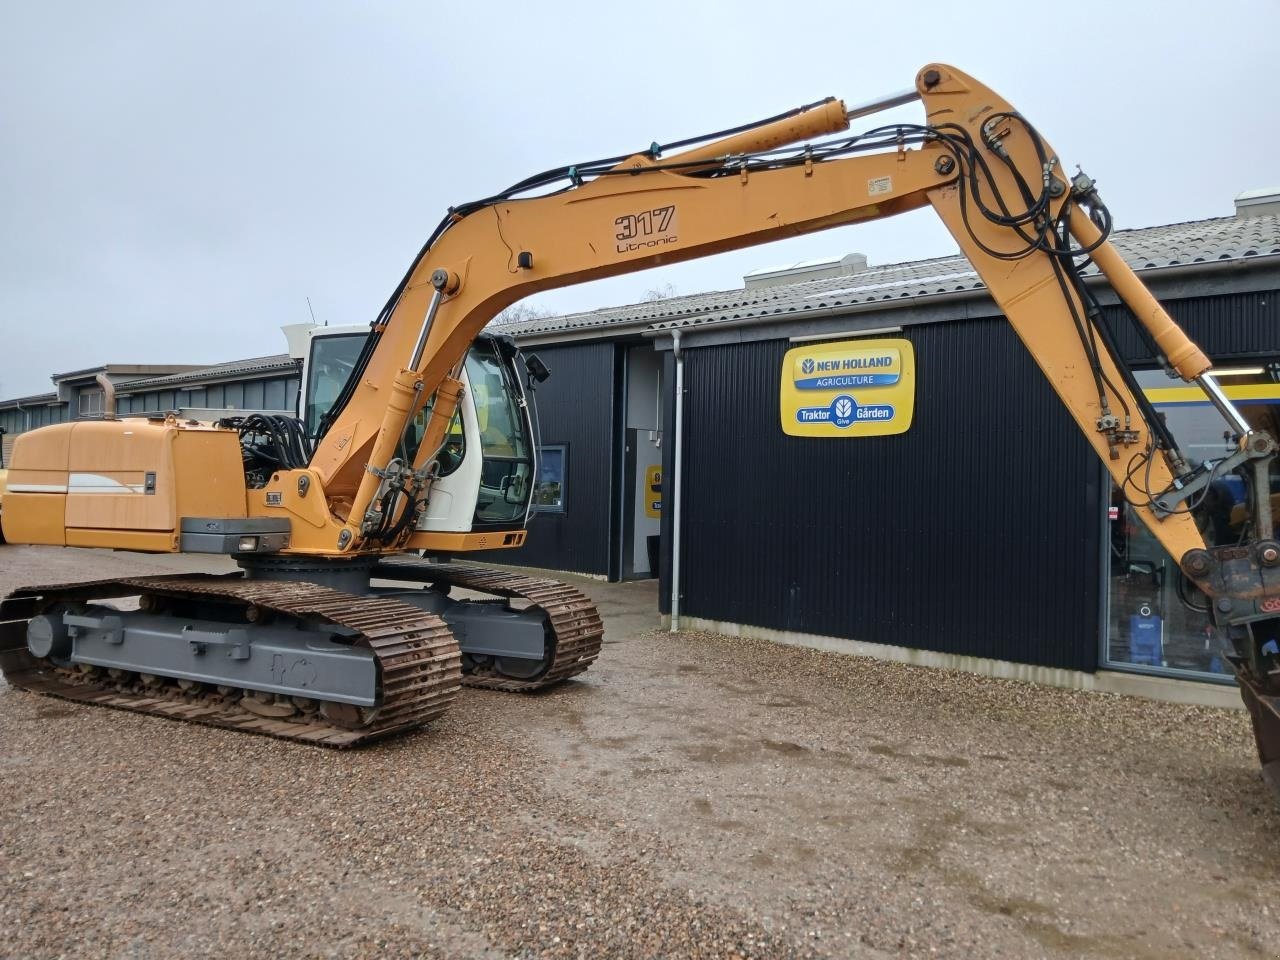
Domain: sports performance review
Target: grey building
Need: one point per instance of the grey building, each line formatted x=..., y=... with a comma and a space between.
x=76, y=395
x=986, y=534
x=258, y=385
x=201, y=392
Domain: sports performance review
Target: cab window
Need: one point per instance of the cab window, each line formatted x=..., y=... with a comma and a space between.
x=331, y=363
x=332, y=360
x=506, y=479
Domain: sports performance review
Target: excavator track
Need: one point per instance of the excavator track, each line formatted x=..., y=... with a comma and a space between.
x=576, y=629
x=419, y=666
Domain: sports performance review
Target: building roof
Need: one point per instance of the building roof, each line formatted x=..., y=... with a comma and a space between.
x=235, y=370
x=130, y=370
x=1222, y=239
x=187, y=375
x=35, y=400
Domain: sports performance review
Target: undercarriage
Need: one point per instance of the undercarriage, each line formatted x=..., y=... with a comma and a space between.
x=332, y=653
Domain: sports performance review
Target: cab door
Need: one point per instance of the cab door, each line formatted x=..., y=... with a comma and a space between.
x=451, y=505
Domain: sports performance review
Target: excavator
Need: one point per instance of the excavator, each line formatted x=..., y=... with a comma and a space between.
x=349, y=619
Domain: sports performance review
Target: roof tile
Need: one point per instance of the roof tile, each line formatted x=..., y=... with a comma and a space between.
x=221, y=371
x=1148, y=248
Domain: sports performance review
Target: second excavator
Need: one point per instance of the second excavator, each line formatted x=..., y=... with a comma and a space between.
x=315, y=640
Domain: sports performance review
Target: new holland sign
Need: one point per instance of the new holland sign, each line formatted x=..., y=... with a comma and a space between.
x=856, y=388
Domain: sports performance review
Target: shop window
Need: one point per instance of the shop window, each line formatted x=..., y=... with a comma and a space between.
x=548, y=496
x=1151, y=625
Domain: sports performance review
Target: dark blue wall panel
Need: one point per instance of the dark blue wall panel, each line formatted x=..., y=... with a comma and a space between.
x=576, y=408
x=1226, y=327
x=976, y=532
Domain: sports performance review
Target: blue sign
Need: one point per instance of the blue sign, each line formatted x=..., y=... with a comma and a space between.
x=844, y=411
x=846, y=371
x=847, y=381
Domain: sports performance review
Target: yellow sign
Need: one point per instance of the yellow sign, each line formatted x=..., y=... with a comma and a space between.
x=653, y=493
x=854, y=388
x=1194, y=395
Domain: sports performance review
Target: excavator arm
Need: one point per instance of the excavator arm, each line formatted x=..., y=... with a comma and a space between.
x=995, y=183
x=1023, y=223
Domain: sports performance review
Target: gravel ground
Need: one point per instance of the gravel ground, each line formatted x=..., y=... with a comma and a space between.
x=692, y=796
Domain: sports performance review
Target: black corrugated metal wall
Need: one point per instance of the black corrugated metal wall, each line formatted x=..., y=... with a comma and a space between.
x=970, y=534
x=576, y=407
x=975, y=533
x=1226, y=327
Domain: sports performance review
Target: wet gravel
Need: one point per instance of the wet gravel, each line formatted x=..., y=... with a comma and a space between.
x=694, y=796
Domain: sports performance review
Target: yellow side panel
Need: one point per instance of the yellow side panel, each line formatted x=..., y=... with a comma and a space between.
x=209, y=474
x=44, y=450
x=36, y=487
x=34, y=517
x=144, y=541
x=108, y=465
x=136, y=476
x=853, y=388
x=121, y=484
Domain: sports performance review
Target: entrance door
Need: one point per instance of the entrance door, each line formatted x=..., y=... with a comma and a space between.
x=642, y=477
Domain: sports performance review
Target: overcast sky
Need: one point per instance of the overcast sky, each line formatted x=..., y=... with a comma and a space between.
x=177, y=178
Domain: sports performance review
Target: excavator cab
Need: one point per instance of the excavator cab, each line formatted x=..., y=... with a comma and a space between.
x=488, y=460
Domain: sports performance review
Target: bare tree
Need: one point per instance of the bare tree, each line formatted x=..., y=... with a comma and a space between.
x=664, y=292
x=519, y=312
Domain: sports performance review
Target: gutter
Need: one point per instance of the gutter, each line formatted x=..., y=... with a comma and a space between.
x=599, y=331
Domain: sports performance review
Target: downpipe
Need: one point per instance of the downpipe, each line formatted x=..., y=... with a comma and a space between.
x=675, y=485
